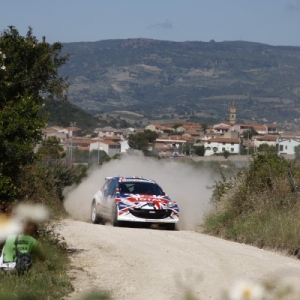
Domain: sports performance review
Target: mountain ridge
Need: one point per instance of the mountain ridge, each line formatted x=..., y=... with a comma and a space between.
x=192, y=80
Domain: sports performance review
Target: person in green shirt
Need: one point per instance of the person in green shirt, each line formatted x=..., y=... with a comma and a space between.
x=26, y=243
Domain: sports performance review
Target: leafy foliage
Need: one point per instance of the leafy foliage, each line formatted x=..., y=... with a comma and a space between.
x=259, y=205
x=226, y=154
x=29, y=70
x=62, y=113
x=45, y=180
x=51, y=148
x=249, y=133
x=297, y=152
x=267, y=148
x=199, y=150
x=141, y=140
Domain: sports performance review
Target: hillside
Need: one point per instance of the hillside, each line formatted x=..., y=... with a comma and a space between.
x=190, y=80
x=63, y=113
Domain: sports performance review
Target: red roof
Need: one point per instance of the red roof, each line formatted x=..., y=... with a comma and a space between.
x=81, y=141
x=267, y=138
x=223, y=140
x=109, y=143
x=222, y=127
x=259, y=127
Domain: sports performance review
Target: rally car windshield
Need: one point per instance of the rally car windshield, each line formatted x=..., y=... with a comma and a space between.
x=145, y=188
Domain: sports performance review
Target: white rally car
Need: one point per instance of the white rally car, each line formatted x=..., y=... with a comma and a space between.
x=133, y=199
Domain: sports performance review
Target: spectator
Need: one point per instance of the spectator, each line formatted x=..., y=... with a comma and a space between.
x=26, y=243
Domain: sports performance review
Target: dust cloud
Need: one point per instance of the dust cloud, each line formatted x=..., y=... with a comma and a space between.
x=183, y=183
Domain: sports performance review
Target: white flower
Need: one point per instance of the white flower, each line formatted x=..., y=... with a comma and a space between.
x=246, y=290
x=3, y=56
x=3, y=67
x=9, y=226
x=32, y=212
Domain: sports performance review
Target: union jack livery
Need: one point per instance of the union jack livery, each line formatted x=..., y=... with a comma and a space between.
x=133, y=199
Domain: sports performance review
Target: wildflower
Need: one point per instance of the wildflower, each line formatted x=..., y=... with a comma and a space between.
x=3, y=68
x=246, y=290
x=32, y=212
x=9, y=226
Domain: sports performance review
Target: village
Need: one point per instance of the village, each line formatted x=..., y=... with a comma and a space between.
x=227, y=136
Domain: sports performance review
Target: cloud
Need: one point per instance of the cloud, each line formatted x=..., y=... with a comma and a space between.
x=164, y=25
x=293, y=6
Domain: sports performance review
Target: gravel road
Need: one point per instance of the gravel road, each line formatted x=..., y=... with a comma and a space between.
x=138, y=263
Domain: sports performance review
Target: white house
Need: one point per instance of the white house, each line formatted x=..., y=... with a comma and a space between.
x=286, y=144
x=110, y=147
x=270, y=140
x=124, y=146
x=222, y=128
x=219, y=145
x=170, y=144
x=56, y=131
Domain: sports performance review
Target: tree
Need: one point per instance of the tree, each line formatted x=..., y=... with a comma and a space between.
x=204, y=127
x=249, y=133
x=267, y=148
x=51, y=148
x=226, y=154
x=141, y=140
x=29, y=69
x=199, y=150
x=297, y=152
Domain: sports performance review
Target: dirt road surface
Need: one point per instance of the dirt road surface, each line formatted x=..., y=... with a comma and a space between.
x=138, y=263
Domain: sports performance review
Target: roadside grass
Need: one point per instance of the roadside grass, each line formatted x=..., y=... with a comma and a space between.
x=260, y=207
x=274, y=229
x=45, y=280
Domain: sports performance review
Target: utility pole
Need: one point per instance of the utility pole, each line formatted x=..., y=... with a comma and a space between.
x=72, y=124
x=98, y=153
x=248, y=145
x=99, y=148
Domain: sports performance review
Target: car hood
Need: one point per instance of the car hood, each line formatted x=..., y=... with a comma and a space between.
x=145, y=198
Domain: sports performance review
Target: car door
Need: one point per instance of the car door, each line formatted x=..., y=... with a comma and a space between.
x=109, y=197
x=101, y=196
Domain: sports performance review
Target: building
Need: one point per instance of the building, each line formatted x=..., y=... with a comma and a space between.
x=171, y=145
x=220, y=145
x=232, y=117
x=110, y=147
x=287, y=144
x=270, y=140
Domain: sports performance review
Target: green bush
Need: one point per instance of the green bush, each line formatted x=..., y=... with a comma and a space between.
x=259, y=206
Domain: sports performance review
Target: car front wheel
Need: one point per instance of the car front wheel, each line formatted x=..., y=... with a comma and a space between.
x=171, y=226
x=115, y=221
x=95, y=218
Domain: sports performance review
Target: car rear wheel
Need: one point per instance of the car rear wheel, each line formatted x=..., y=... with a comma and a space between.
x=95, y=218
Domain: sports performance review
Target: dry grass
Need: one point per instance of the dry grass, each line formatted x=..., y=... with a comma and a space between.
x=260, y=207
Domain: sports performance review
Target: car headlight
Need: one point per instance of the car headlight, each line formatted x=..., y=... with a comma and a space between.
x=170, y=204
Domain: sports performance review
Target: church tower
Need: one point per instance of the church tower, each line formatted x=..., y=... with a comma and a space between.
x=232, y=118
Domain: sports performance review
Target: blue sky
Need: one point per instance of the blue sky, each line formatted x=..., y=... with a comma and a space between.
x=273, y=22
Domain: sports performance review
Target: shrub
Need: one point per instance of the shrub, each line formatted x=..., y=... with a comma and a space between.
x=260, y=205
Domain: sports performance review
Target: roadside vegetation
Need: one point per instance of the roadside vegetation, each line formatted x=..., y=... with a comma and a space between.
x=260, y=205
x=28, y=70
